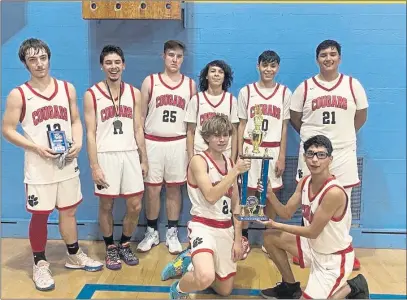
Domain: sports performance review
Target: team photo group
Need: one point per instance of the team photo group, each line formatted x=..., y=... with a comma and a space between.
x=174, y=131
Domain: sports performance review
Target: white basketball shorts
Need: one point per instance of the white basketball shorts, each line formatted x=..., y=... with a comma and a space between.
x=43, y=198
x=122, y=172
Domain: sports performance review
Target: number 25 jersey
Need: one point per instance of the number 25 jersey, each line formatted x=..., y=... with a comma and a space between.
x=39, y=115
x=167, y=107
x=329, y=108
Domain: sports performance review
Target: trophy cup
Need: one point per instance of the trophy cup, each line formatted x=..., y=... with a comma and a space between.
x=252, y=207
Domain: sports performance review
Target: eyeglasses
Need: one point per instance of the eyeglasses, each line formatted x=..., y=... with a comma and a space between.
x=319, y=154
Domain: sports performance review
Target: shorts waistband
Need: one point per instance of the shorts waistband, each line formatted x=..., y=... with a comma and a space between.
x=164, y=139
x=212, y=222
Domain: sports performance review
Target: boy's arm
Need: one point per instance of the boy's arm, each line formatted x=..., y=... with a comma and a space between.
x=213, y=193
x=331, y=202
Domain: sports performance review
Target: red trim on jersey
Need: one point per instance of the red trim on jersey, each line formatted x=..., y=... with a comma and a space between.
x=92, y=93
x=264, y=97
x=190, y=88
x=122, y=87
x=306, y=296
x=248, y=96
x=23, y=107
x=212, y=222
x=67, y=90
x=305, y=92
x=151, y=87
x=230, y=275
x=351, y=185
x=351, y=89
x=303, y=182
x=284, y=90
x=197, y=105
x=169, y=87
x=300, y=254
x=326, y=89
x=216, y=166
x=264, y=144
x=41, y=95
x=210, y=103
x=321, y=188
x=341, y=274
x=195, y=186
x=231, y=103
x=132, y=94
x=70, y=206
x=336, y=219
x=163, y=139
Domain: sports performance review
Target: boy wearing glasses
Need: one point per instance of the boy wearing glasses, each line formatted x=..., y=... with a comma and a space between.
x=324, y=242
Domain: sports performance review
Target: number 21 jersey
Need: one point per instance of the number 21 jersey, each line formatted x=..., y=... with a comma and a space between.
x=329, y=108
x=167, y=107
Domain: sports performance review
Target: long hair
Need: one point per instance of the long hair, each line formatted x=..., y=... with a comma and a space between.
x=227, y=70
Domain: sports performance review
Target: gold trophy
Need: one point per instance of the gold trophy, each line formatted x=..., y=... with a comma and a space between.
x=257, y=133
x=254, y=205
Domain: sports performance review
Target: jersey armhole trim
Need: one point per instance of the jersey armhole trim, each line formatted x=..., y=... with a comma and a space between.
x=351, y=89
x=93, y=98
x=305, y=92
x=336, y=219
x=132, y=94
x=151, y=87
x=190, y=88
x=67, y=91
x=231, y=102
x=248, y=96
x=23, y=108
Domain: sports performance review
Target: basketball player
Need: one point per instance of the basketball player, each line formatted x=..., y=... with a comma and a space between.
x=324, y=242
x=116, y=151
x=214, y=81
x=212, y=188
x=335, y=105
x=272, y=100
x=45, y=105
x=165, y=97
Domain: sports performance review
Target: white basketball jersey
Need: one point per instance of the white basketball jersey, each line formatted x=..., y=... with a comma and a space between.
x=41, y=114
x=205, y=107
x=114, y=129
x=272, y=111
x=221, y=210
x=329, y=111
x=336, y=234
x=167, y=107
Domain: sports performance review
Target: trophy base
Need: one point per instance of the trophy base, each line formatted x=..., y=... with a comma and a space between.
x=252, y=218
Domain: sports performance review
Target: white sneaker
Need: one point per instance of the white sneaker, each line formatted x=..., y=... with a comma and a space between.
x=172, y=242
x=151, y=238
x=42, y=276
x=81, y=261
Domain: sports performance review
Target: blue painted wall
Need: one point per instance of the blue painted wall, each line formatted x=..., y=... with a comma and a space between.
x=374, y=51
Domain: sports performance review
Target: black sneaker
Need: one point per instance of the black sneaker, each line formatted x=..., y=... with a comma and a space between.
x=127, y=255
x=359, y=288
x=283, y=290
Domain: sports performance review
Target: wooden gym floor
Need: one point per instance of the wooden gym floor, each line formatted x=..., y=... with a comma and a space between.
x=385, y=270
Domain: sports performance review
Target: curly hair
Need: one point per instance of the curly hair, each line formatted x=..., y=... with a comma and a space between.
x=227, y=82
